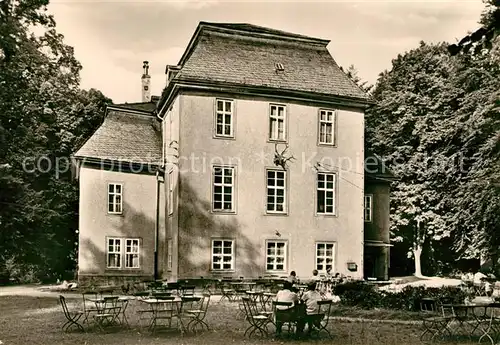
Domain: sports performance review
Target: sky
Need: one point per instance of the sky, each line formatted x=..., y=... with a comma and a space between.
x=113, y=37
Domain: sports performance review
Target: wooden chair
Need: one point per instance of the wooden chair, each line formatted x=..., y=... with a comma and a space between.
x=197, y=315
x=71, y=317
x=435, y=322
x=89, y=307
x=284, y=316
x=258, y=322
x=319, y=322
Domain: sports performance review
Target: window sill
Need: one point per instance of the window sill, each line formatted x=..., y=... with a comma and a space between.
x=283, y=214
x=215, y=136
x=115, y=214
x=327, y=215
x=275, y=272
x=334, y=145
x=224, y=212
x=277, y=141
x=123, y=270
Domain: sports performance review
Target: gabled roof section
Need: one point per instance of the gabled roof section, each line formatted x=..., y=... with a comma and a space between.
x=124, y=137
x=247, y=55
x=375, y=168
x=147, y=107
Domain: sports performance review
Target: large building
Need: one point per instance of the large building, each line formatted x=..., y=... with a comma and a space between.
x=250, y=163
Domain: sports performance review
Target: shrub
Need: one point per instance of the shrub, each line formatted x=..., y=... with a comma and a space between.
x=366, y=296
x=358, y=293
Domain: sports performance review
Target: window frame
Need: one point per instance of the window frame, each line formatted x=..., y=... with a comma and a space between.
x=115, y=194
x=224, y=112
x=123, y=253
x=270, y=138
x=325, y=243
x=285, y=194
x=132, y=253
x=233, y=186
x=114, y=239
x=170, y=200
x=334, y=127
x=370, y=208
x=285, y=258
x=222, y=255
x=335, y=194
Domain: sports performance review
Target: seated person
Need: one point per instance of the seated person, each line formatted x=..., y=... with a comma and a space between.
x=291, y=313
x=315, y=277
x=293, y=277
x=329, y=274
x=311, y=298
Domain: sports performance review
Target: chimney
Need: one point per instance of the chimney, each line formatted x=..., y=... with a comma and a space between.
x=146, y=83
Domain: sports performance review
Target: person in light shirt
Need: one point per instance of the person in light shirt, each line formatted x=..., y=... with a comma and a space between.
x=285, y=313
x=286, y=295
x=311, y=298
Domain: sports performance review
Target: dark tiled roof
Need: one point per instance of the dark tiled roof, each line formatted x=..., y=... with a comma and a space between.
x=124, y=137
x=219, y=57
x=141, y=106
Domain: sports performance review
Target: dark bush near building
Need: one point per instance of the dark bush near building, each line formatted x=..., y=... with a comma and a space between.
x=366, y=296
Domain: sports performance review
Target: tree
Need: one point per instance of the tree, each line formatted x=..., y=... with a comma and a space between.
x=352, y=73
x=483, y=37
x=410, y=127
x=43, y=117
x=437, y=124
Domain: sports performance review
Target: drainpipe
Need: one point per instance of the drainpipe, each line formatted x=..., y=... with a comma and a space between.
x=157, y=224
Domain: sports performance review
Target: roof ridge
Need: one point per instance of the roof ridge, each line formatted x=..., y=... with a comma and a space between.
x=252, y=28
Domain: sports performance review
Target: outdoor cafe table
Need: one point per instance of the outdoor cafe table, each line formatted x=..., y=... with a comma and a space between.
x=487, y=321
x=109, y=309
x=168, y=309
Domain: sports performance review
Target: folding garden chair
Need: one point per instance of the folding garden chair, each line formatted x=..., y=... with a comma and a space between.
x=258, y=322
x=227, y=292
x=435, y=322
x=319, y=322
x=71, y=317
x=284, y=317
x=89, y=307
x=197, y=315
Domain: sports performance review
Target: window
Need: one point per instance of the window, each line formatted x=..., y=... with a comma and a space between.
x=169, y=255
x=224, y=118
x=276, y=191
x=131, y=253
x=170, y=193
x=223, y=192
x=276, y=256
x=324, y=256
x=368, y=208
x=326, y=193
x=114, y=253
x=222, y=255
x=115, y=191
x=326, y=127
x=277, y=123
x=123, y=252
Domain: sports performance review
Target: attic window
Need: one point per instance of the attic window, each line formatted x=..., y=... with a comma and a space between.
x=279, y=67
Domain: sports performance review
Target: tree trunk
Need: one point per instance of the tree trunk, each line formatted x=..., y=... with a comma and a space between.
x=417, y=250
x=417, y=253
